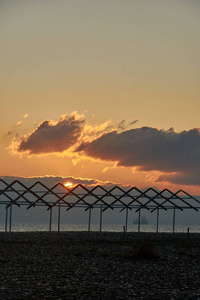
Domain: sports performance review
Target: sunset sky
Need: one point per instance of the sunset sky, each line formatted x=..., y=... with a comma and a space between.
x=101, y=91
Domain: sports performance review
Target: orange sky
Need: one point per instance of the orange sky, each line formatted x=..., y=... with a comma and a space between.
x=113, y=63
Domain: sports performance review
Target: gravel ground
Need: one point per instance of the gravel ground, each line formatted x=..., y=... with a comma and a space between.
x=90, y=265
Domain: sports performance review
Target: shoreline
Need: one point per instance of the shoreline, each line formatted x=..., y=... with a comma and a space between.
x=106, y=234
x=118, y=227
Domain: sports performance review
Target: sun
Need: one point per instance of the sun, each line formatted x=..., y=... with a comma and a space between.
x=68, y=184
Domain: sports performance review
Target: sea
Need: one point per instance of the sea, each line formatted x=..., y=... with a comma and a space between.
x=26, y=227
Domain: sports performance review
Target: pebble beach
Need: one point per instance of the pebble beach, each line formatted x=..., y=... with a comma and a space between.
x=93, y=265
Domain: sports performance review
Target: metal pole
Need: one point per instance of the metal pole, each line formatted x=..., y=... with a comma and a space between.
x=157, y=220
x=174, y=220
x=139, y=217
x=188, y=232
x=59, y=217
x=89, y=219
x=124, y=230
x=126, y=219
x=6, y=219
x=50, y=221
x=101, y=210
x=10, y=223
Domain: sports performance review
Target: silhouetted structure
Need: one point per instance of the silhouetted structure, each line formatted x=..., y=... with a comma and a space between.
x=38, y=194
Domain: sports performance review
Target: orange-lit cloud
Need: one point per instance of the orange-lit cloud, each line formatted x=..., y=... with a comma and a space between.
x=19, y=123
x=175, y=156
x=58, y=137
x=93, y=131
x=51, y=180
x=52, y=136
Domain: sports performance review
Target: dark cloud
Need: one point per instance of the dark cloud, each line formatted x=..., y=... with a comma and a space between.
x=53, y=137
x=133, y=122
x=121, y=125
x=186, y=178
x=151, y=149
x=10, y=133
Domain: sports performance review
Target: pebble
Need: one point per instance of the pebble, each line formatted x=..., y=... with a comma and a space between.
x=90, y=265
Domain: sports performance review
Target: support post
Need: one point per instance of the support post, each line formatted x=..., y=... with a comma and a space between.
x=101, y=211
x=124, y=231
x=59, y=217
x=50, y=221
x=10, y=223
x=6, y=219
x=89, y=219
x=174, y=219
x=157, y=224
x=188, y=233
x=139, y=217
x=126, y=228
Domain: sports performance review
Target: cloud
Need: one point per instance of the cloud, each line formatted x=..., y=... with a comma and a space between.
x=188, y=178
x=9, y=133
x=93, y=131
x=50, y=181
x=175, y=156
x=15, y=130
x=52, y=136
x=122, y=125
x=150, y=149
x=58, y=137
x=19, y=123
x=135, y=121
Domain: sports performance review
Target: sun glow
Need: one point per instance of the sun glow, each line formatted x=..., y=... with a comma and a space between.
x=68, y=184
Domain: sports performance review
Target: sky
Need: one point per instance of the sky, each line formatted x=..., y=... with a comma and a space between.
x=101, y=91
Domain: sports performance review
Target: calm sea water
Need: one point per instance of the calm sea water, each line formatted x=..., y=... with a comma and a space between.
x=105, y=227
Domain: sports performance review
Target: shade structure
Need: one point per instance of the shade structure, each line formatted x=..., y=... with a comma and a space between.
x=38, y=194
x=19, y=194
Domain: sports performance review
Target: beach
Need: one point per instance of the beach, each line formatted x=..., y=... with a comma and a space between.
x=93, y=265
